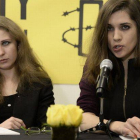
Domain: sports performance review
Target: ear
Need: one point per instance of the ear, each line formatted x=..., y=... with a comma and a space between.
x=17, y=47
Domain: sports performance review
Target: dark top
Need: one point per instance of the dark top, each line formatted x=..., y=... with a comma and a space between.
x=32, y=102
x=6, y=108
x=117, y=103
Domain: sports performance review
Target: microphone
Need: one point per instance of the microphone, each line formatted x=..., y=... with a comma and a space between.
x=102, y=80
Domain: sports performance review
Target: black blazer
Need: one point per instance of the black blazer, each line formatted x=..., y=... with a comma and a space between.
x=31, y=104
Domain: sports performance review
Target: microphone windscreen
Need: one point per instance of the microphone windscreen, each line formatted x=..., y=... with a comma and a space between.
x=106, y=63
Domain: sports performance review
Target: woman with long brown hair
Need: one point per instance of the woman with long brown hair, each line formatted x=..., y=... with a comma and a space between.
x=116, y=37
x=25, y=87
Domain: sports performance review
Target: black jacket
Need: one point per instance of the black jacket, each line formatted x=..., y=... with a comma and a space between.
x=31, y=104
x=117, y=102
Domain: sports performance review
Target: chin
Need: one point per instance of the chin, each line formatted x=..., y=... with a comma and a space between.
x=120, y=57
x=6, y=68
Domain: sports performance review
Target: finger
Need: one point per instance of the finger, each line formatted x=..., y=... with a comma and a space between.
x=135, y=122
x=14, y=123
x=14, y=126
x=11, y=125
x=127, y=132
x=132, y=129
x=20, y=122
x=17, y=124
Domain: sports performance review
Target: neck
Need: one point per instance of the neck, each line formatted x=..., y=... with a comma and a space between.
x=125, y=64
x=10, y=75
x=10, y=81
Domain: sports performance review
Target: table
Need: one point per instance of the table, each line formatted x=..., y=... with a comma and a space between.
x=84, y=136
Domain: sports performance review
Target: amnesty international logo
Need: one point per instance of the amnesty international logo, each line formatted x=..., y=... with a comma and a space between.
x=81, y=28
x=58, y=31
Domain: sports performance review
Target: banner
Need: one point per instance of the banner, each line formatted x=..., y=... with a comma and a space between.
x=59, y=32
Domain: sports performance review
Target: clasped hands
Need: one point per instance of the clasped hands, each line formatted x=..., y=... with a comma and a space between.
x=12, y=123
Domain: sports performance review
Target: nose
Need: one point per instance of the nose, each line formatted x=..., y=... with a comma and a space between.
x=117, y=36
x=1, y=51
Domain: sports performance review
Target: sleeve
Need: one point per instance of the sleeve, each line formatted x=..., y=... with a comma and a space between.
x=46, y=99
x=88, y=100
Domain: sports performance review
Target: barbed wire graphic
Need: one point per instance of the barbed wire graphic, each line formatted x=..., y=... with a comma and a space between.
x=67, y=13
x=81, y=29
x=74, y=29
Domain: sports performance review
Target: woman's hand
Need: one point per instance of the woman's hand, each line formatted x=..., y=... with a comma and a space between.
x=12, y=123
x=131, y=127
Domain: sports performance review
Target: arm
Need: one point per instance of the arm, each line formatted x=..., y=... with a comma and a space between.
x=90, y=104
x=131, y=127
x=93, y=120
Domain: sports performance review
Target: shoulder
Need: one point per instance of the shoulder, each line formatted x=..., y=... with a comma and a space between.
x=43, y=82
x=39, y=86
x=44, y=88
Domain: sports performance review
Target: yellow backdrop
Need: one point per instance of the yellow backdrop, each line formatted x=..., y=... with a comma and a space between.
x=45, y=26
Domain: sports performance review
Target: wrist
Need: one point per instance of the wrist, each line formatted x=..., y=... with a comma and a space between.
x=115, y=126
x=108, y=130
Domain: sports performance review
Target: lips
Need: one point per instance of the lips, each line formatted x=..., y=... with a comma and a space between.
x=3, y=60
x=117, y=48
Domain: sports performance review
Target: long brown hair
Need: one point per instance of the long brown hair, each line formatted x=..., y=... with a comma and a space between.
x=28, y=67
x=99, y=45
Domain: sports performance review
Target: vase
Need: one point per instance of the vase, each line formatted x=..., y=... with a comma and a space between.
x=64, y=133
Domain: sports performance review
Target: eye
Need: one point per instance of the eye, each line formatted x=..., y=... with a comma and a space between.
x=109, y=28
x=125, y=27
x=5, y=43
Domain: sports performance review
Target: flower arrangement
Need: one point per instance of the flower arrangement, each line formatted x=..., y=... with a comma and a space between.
x=64, y=120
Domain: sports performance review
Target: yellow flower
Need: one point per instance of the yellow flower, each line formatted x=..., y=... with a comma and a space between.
x=54, y=115
x=60, y=115
x=72, y=115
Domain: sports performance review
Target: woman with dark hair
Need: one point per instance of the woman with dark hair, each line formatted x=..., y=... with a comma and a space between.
x=116, y=37
x=25, y=87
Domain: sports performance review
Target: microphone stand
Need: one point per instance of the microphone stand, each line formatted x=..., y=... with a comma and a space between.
x=101, y=81
x=100, y=92
x=101, y=126
x=101, y=88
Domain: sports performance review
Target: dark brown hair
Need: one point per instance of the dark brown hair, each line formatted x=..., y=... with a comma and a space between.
x=28, y=67
x=99, y=46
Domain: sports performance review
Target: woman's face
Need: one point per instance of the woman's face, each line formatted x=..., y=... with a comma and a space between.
x=122, y=35
x=8, y=51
